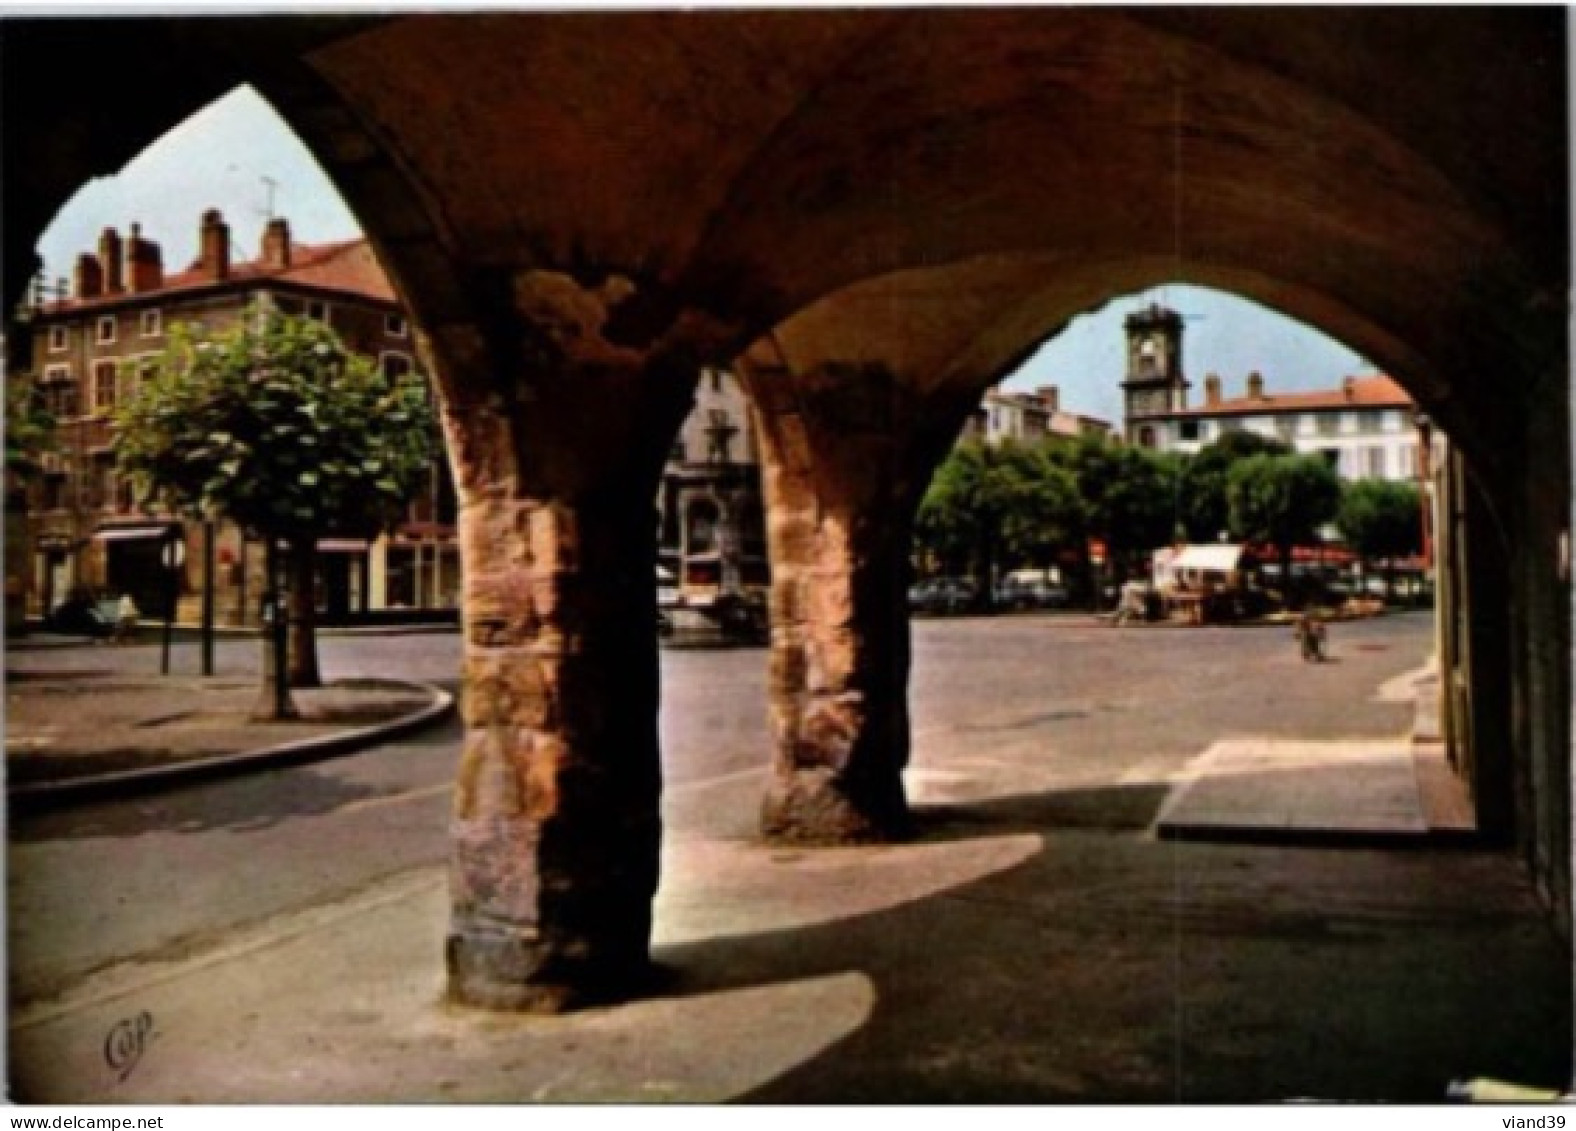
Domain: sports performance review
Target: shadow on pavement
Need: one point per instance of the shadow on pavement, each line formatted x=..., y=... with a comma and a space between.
x=1114, y=967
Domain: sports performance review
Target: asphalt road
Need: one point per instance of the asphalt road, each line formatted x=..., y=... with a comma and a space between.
x=1074, y=704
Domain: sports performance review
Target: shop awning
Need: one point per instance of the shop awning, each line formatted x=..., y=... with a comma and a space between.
x=144, y=530
x=1218, y=559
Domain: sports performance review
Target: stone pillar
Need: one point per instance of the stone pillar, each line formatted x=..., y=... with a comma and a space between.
x=556, y=823
x=846, y=454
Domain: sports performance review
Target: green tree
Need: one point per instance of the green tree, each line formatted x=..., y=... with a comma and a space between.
x=1381, y=519
x=994, y=506
x=1282, y=500
x=29, y=428
x=1204, y=509
x=1047, y=514
x=283, y=430
x=1129, y=498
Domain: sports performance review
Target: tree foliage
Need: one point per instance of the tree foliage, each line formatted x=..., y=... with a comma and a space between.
x=1381, y=519
x=1205, y=509
x=280, y=429
x=1282, y=500
x=29, y=428
x=997, y=506
x=1129, y=494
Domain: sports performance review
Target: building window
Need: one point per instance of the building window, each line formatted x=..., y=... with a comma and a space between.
x=151, y=325
x=106, y=331
x=1229, y=426
x=395, y=366
x=134, y=376
x=59, y=339
x=1370, y=421
x=1408, y=460
x=63, y=400
x=59, y=392
x=317, y=310
x=1376, y=463
x=716, y=380
x=395, y=326
x=1285, y=426
x=1188, y=429
x=104, y=378
x=1329, y=423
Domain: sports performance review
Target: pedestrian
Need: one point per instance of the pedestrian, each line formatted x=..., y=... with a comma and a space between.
x=126, y=615
x=1311, y=636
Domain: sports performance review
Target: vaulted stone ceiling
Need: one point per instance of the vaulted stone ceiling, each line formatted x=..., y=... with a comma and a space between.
x=1395, y=176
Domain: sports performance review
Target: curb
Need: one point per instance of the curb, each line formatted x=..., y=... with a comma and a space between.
x=1284, y=836
x=97, y=786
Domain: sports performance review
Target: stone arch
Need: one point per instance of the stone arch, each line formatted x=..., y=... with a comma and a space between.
x=570, y=273
x=921, y=346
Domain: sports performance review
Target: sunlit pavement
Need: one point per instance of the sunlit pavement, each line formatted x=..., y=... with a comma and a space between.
x=282, y=937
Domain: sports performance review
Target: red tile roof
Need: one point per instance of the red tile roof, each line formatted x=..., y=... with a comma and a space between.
x=1356, y=392
x=346, y=267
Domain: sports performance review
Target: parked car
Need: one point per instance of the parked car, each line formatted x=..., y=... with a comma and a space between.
x=943, y=595
x=1030, y=589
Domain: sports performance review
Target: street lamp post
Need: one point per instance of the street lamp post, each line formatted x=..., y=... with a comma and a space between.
x=207, y=597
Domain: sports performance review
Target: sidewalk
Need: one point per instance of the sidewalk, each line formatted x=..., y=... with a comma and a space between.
x=1002, y=957
x=1036, y=944
x=71, y=733
x=1340, y=793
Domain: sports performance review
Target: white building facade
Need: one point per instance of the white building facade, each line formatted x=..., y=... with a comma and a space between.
x=1367, y=428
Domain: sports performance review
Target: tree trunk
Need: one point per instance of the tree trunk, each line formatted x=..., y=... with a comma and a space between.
x=303, y=614
x=274, y=704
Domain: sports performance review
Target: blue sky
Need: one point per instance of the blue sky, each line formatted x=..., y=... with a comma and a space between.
x=220, y=157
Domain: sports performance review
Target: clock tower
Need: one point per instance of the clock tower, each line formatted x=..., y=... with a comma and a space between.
x=1154, y=384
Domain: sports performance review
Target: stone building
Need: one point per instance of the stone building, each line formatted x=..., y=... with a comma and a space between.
x=1367, y=427
x=1028, y=417
x=889, y=238
x=713, y=529
x=87, y=530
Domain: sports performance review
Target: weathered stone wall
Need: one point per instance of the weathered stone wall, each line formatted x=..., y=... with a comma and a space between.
x=847, y=452
x=1332, y=163
x=558, y=436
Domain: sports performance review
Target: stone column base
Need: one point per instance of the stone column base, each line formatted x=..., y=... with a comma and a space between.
x=497, y=969
x=818, y=807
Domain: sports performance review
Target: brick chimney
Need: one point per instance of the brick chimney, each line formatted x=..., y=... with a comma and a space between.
x=1349, y=388
x=90, y=276
x=276, y=244
x=214, y=258
x=1255, y=386
x=1211, y=390
x=1051, y=396
x=110, y=261
x=144, y=263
